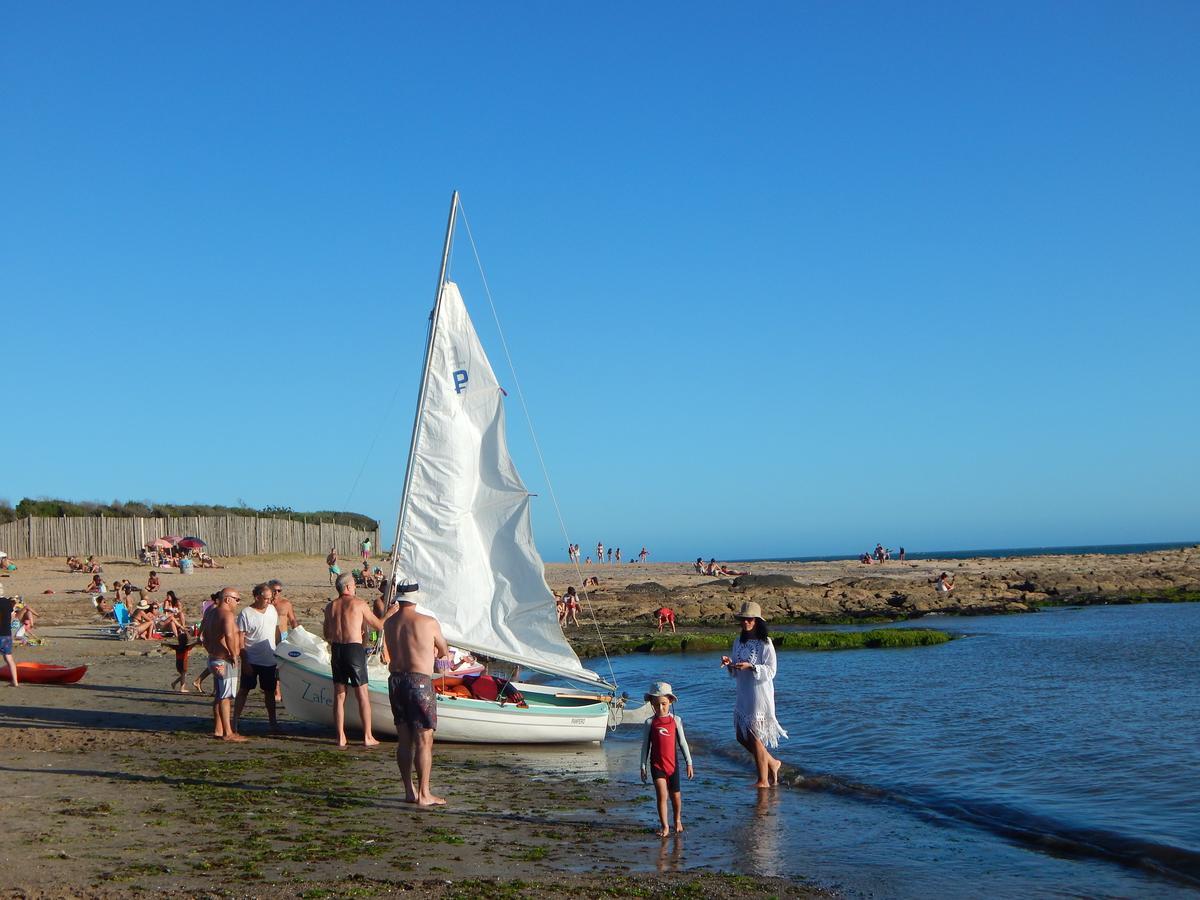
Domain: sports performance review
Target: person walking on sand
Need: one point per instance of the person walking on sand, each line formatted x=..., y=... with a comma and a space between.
x=224, y=645
x=752, y=664
x=661, y=744
x=414, y=642
x=6, y=641
x=365, y=547
x=183, y=649
x=258, y=624
x=345, y=621
x=331, y=561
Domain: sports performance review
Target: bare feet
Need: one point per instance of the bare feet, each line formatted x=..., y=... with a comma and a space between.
x=371, y=742
x=184, y=690
x=678, y=827
x=663, y=832
x=430, y=800
x=775, y=766
x=197, y=686
x=235, y=738
x=762, y=784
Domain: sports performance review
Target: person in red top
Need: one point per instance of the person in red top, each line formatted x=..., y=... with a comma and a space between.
x=663, y=739
x=665, y=616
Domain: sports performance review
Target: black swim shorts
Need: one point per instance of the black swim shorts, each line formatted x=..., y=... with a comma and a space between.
x=267, y=676
x=672, y=779
x=349, y=664
x=413, y=702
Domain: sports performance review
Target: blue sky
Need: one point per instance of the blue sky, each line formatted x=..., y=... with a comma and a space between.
x=778, y=279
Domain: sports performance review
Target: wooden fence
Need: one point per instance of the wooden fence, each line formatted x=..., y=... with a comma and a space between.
x=109, y=537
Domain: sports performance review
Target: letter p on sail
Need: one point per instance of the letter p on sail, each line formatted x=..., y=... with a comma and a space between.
x=460, y=381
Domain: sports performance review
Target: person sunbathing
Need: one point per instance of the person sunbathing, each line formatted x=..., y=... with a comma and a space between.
x=103, y=608
x=591, y=581
x=152, y=583
x=74, y=564
x=26, y=616
x=95, y=586
x=143, y=622
x=944, y=583
x=206, y=562
x=699, y=566
x=93, y=565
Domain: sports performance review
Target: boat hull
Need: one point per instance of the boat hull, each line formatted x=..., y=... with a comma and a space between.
x=552, y=717
x=45, y=673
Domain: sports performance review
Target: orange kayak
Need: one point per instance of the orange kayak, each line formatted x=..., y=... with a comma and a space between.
x=44, y=673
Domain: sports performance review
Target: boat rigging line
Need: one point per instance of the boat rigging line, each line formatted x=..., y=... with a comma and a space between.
x=533, y=434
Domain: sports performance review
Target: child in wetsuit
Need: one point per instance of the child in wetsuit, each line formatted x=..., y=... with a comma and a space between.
x=664, y=738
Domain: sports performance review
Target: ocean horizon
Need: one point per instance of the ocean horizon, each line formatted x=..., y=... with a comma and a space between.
x=992, y=553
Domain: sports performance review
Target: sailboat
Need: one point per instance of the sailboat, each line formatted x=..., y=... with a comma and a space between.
x=464, y=534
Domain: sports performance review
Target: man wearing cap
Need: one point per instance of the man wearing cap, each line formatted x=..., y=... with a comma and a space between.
x=413, y=641
x=752, y=664
x=223, y=642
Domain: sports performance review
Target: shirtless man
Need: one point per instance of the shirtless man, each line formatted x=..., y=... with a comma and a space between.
x=414, y=640
x=345, y=621
x=223, y=642
x=287, y=620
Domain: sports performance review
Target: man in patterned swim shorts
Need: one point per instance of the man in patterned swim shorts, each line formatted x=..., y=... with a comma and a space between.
x=414, y=640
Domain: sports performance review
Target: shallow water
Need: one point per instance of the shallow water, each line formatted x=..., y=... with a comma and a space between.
x=1052, y=753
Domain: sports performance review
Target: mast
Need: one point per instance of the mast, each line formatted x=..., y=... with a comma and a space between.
x=412, y=447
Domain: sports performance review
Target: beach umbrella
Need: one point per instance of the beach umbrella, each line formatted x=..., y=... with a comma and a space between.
x=192, y=543
x=159, y=544
x=171, y=539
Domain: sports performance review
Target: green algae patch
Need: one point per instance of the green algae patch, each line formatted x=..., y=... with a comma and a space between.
x=880, y=638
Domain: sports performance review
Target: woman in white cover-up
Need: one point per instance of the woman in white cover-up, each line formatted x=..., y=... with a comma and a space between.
x=752, y=664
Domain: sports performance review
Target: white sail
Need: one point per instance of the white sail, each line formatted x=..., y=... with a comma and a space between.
x=466, y=535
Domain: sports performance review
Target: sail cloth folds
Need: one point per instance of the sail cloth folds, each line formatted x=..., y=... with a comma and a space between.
x=466, y=536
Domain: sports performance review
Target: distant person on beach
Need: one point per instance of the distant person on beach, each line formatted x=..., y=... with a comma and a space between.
x=560, y=608
x=752, y=665
x=665, y=616
x=642, y=556
x=346, y=619
x=6, y=641
x=223, y=642
x=610, y=553
x=331, y=561
x=661, y=744
x=414, y=642
x=699, y=565
x=365, y=547
x=258, y=624
x=599, y=552
x=591, y=581
x=900, y=556
x=617, y=555
x=944, y=583
x=571, y=602
x=95, y=586
x=152, y=583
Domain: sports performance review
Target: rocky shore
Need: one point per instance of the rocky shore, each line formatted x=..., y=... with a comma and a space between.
x=848, y=591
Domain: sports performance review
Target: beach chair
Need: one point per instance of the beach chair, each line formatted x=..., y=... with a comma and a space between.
x=120, y=628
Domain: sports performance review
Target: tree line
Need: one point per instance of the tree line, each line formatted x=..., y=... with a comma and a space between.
x=132, y=509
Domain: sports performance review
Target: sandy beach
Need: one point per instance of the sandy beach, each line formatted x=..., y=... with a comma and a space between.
x=115, y=787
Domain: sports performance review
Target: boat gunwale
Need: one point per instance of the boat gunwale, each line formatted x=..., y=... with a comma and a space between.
x=595, y=708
